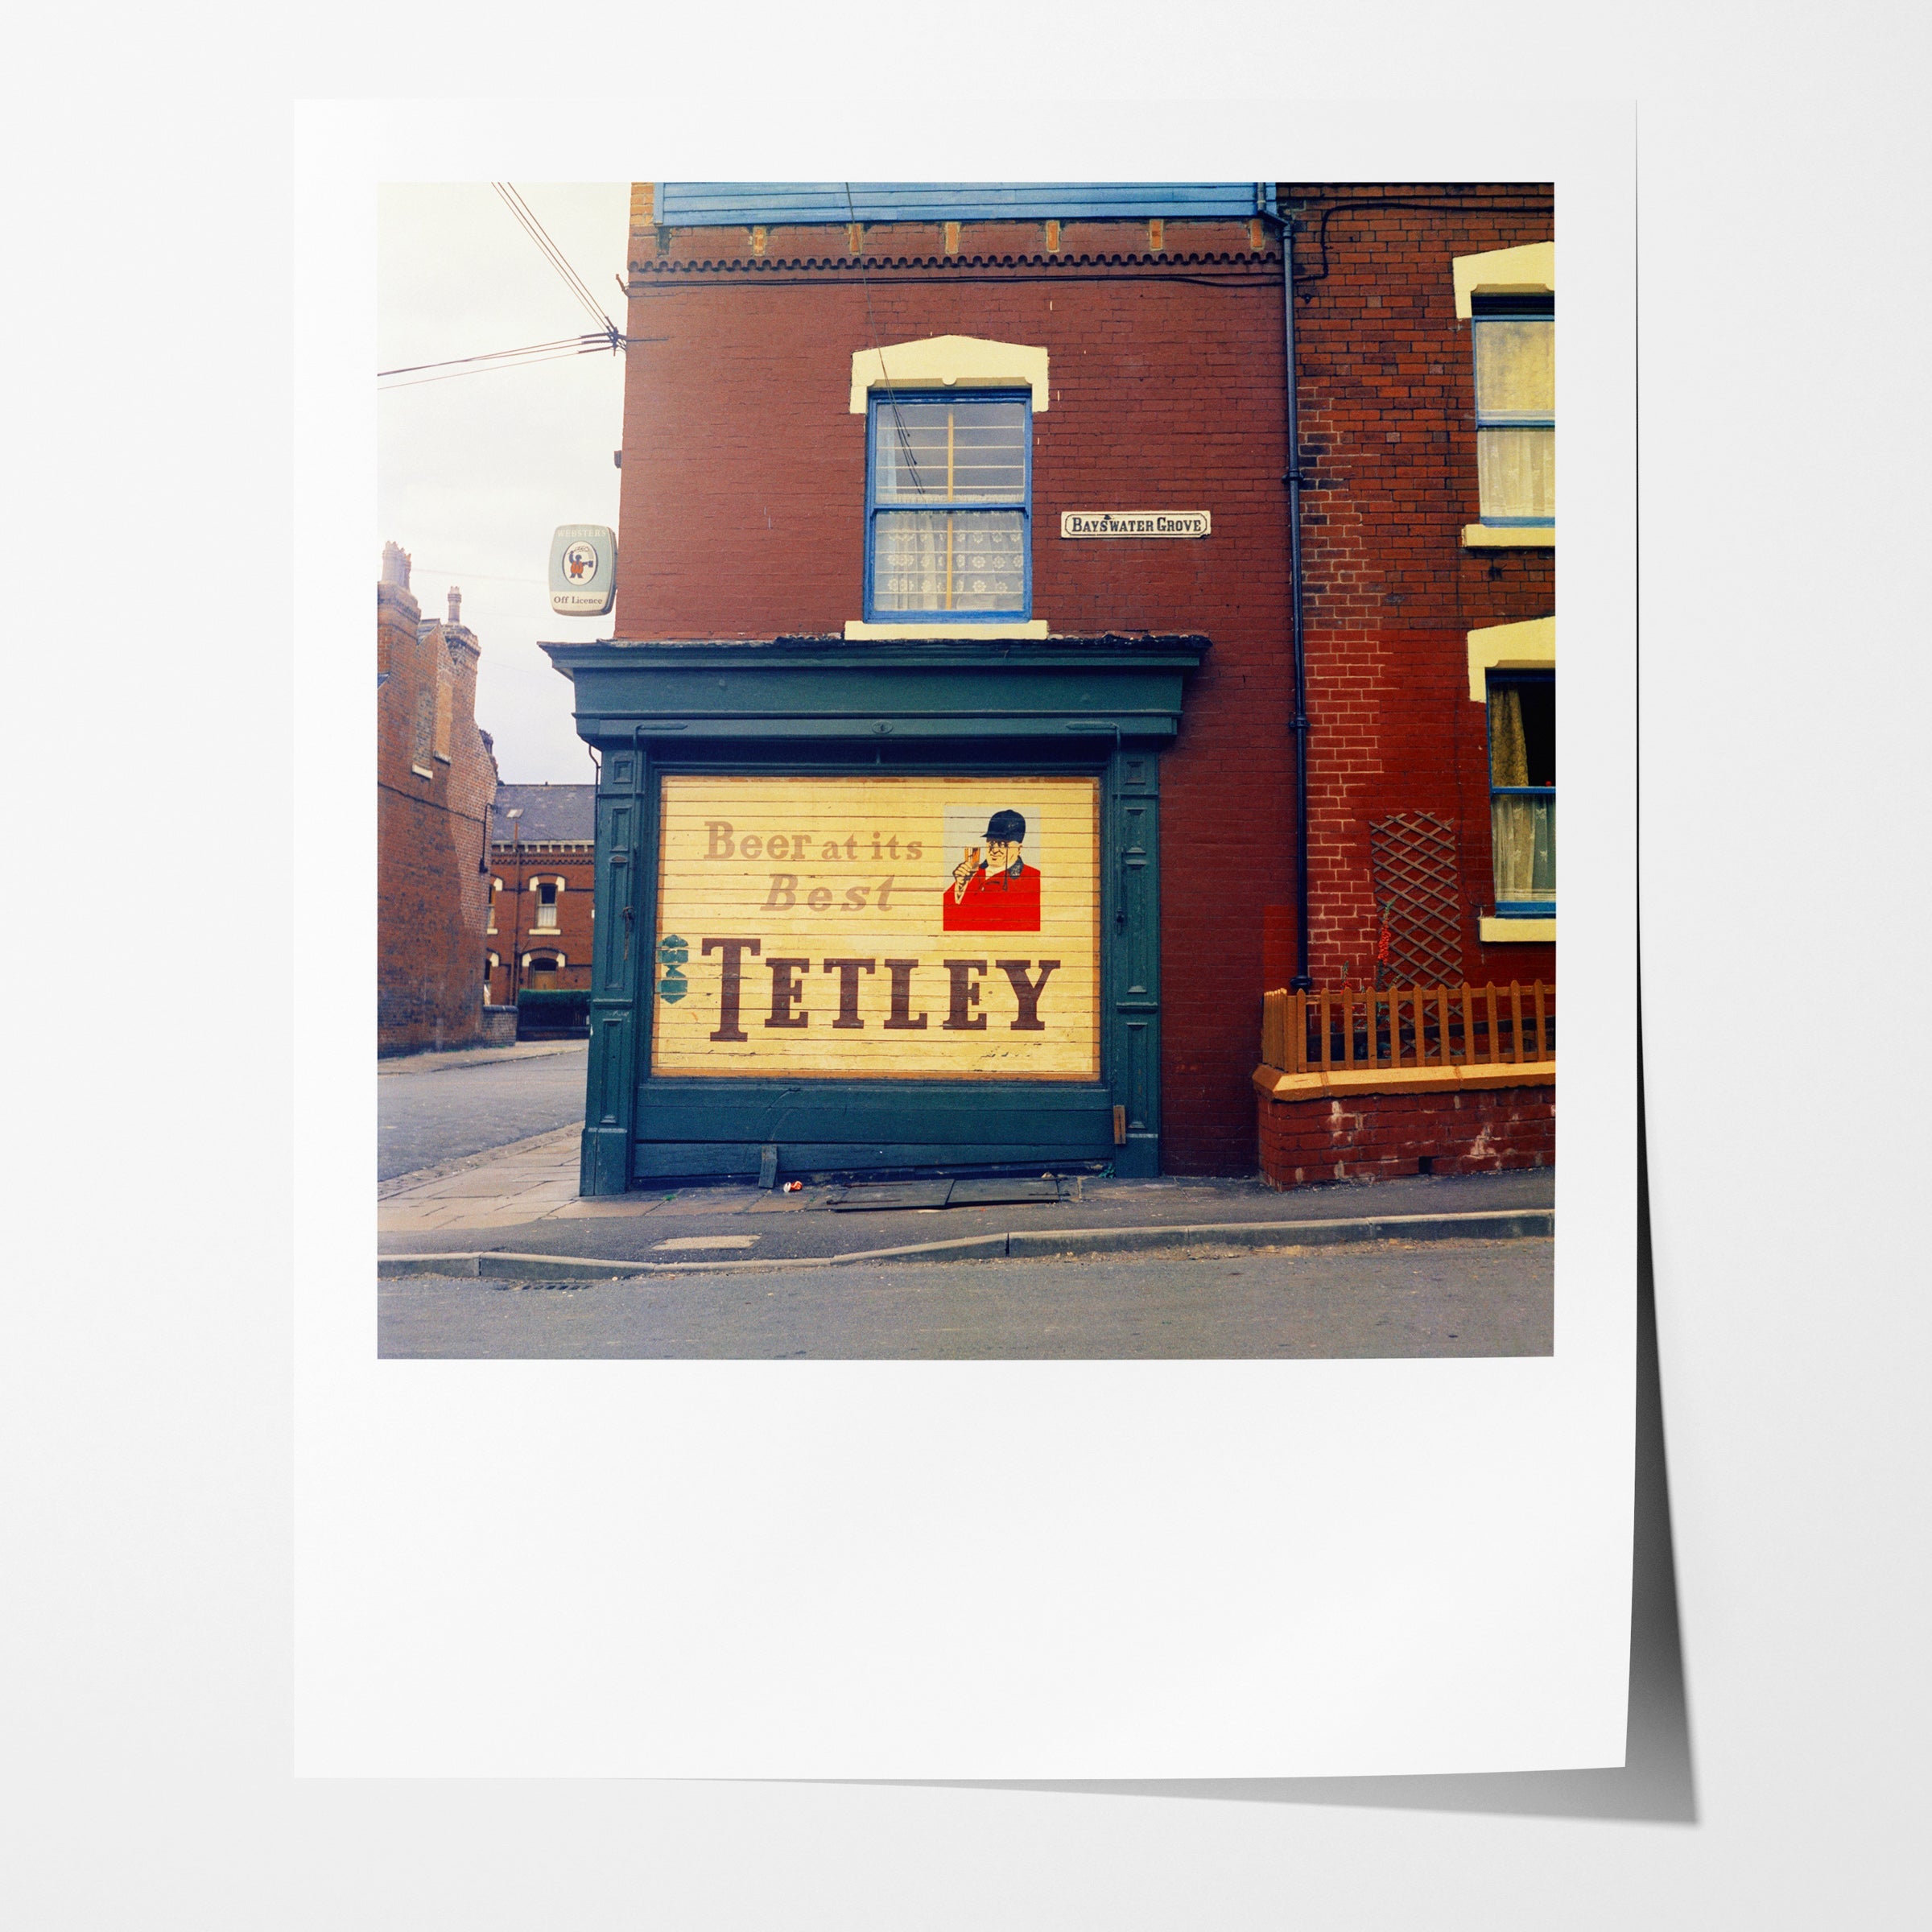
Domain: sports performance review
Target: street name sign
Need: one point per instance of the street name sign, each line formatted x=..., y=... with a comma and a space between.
x=1135, y=523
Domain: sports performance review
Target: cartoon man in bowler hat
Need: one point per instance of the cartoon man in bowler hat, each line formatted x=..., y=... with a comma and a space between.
x=999, y=893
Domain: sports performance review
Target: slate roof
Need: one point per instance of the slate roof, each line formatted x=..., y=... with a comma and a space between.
x=550, y=812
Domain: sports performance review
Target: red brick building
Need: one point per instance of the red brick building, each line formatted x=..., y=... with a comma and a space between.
x=1135, y=338
x=435, y=777
x=542, y=847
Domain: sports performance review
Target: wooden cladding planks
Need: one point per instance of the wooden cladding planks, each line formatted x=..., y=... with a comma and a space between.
x=814, y=927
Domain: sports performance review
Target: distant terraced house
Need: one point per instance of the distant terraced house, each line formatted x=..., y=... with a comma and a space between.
x=542, y=848
x=435, y=777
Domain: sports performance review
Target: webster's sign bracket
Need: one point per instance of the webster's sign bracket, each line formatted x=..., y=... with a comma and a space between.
x=1136, y=523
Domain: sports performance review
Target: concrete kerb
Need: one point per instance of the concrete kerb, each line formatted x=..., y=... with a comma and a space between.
x=1516, y=1223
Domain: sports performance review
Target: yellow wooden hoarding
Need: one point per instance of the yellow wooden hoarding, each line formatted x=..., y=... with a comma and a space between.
x=878, y=928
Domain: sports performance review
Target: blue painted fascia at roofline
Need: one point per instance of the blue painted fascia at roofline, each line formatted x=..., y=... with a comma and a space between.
x=779, y=204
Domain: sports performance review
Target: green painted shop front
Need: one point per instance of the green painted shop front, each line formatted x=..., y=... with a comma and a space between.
x=824, y=719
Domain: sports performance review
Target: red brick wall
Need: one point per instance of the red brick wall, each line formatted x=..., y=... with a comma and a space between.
x=744, y=486
x=1389, y=428
x=1379, y=1137
x=429, y=835
x=515, y=918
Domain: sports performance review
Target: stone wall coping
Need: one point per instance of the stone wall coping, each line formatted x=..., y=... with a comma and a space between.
x=1279, y=1086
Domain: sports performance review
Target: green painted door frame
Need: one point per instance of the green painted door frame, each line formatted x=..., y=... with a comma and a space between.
x=794, y=706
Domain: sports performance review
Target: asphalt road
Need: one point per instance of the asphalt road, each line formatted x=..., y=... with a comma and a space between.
x=429, y=1114
x=1379, y=1299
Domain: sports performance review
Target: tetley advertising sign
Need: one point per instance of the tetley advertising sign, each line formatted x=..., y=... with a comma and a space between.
x=878, y=928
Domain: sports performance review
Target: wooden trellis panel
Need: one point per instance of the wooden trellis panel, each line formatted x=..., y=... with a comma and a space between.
x=1417, y=894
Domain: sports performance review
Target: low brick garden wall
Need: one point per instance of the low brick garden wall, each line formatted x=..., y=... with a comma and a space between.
x=1387, y=1133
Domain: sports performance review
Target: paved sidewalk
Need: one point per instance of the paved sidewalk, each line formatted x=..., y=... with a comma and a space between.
x=477, y=1056
x=522, y=1200
x=435, y=1107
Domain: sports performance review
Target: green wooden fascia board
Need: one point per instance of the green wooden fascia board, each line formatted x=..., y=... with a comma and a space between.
x=944, y=652
x=608, y=726
x=825, y=688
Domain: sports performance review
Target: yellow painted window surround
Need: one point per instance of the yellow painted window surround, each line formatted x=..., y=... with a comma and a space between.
x=964, y=362
x=1514, y=357
x=1527, y=646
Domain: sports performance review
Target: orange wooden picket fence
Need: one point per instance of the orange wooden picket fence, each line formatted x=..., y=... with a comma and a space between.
x=1397, y=1026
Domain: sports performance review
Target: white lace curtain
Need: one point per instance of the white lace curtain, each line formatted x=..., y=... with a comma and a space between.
x=936, y=560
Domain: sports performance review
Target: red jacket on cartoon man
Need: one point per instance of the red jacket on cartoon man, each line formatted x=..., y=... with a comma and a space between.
x=999, y=892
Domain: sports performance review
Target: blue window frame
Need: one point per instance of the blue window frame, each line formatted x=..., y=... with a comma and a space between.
x=1522, y=792
x=1514, y=342
x=948, y=506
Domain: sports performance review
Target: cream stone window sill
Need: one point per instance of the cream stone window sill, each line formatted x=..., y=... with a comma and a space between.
x=1509, y=536
x=859, y=633
x=1521, y=932
x=423, y=771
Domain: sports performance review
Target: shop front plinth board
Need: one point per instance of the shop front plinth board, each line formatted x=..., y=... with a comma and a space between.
x=878, y=928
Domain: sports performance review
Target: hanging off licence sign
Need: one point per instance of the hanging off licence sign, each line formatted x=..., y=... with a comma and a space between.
x=1135, y=523
x=878, y=928
x=583, y=570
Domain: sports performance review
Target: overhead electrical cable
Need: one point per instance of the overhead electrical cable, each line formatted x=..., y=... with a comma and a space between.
x=892, y=400
x=495, y=355
x=531, y=226
x=593, y=346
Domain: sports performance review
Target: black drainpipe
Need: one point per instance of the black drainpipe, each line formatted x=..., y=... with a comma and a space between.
x=1298, y=722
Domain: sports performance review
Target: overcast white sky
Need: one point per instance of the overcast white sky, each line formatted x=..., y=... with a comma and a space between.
x=476, y=472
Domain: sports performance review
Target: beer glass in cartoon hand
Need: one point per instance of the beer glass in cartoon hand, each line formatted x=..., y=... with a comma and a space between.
x=962, y=873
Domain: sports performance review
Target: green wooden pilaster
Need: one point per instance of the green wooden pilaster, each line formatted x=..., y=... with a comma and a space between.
x=1133, y=949
x=620, y=980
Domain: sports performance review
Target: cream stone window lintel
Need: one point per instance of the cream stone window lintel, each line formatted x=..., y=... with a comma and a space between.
x=947, y=362
x=1528, y=270
x=1527, y=646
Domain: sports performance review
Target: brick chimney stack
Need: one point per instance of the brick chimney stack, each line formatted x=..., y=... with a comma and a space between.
x=395, y=566
x=456, y=605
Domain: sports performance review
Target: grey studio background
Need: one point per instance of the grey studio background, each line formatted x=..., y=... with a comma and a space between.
x=1777, y=1780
